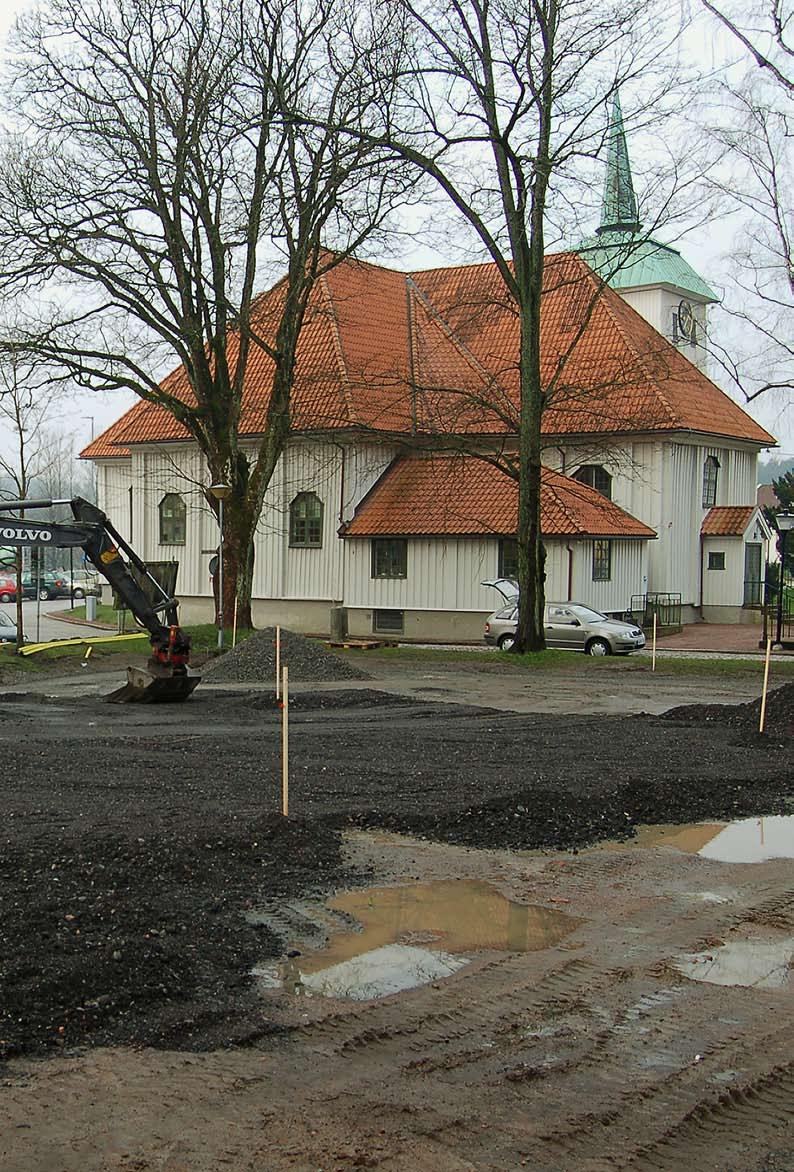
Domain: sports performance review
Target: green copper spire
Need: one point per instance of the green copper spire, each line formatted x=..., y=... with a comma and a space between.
x=619, y=205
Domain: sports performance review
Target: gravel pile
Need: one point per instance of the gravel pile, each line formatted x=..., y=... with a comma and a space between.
x=340, y=699
x=779, y=718
x=254, y=661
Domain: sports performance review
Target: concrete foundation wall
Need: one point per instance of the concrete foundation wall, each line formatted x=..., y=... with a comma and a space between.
x=423, y=626
x=747, y=616
x=310, y=617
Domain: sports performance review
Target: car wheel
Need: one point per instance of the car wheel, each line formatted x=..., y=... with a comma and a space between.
x=44, y=595
x=507, y=643
x=598, y=647
x=78, y=593
x=6, y=598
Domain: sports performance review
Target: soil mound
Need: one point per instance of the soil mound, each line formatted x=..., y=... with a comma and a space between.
x=254, y=661
x=743, y=717
x=141, y=940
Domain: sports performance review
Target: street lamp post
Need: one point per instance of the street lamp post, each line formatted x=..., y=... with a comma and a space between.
x=785, y=522
x=221, y=492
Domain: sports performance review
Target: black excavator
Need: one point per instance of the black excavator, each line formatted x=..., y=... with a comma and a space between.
x=167, y=678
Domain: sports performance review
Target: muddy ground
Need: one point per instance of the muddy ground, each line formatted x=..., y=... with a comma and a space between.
x=134, y=839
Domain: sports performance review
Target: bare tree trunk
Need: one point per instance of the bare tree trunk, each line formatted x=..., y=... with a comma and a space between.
x=530, y=634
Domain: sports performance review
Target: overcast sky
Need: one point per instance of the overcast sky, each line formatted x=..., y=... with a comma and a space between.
x=705, y=250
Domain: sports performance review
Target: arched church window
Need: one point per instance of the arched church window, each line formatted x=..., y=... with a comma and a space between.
x=597, y=477
x=173, y=519
x=711, y=467
x=306, y=520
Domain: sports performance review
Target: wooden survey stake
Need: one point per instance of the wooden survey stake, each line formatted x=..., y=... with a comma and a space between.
x=285, y=742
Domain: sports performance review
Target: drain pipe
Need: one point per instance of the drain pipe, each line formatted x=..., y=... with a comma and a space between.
x=570, y=573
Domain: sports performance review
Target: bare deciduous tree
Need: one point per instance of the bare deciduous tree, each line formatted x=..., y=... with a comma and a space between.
x=754, y=125
x=174, y=170
x=761, y=297
x=502, y=105
x=28, y=451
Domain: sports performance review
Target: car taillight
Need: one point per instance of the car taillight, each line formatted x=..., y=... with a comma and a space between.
x=488, y=628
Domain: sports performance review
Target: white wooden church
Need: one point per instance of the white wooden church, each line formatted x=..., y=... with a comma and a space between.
x=650, y=479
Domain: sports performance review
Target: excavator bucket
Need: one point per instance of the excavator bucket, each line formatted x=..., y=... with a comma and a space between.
x=143, y=687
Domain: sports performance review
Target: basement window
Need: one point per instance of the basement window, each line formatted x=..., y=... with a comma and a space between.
x=173, y=519
x=717, y=560
x=388, y=622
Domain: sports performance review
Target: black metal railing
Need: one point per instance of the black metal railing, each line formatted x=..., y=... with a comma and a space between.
x=666, y=607
x=778, y=608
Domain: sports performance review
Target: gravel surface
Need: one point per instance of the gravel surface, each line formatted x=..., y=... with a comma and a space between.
x=254, y=661
x=133, y=839
x=778, y=721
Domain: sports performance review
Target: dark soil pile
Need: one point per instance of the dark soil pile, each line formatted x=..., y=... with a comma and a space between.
x=778, y=721
x=254, y=661
x=142, y=939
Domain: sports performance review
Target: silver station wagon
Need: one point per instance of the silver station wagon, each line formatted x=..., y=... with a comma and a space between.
x=569, y=626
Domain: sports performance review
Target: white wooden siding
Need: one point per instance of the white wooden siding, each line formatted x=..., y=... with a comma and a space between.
x=629, y=575
x=114, y=481
x=724, y=587
x=446, y=575
x=649, y=304
x=364, y=464
x=658, y=482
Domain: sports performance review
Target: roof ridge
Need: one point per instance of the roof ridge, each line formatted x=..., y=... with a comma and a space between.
x=450, y=333
x=570, y=516
x=336, y=335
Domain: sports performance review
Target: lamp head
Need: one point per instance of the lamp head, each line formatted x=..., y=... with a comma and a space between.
x=784, y=522
x=222, y=491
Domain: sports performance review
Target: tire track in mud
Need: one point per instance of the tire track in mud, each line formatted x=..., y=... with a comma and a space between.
x=441, y=1018
x=775, y=912
x=740, y=1118
x=647, y=1049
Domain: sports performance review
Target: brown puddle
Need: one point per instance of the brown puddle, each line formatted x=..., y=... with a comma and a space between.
x=749, y=840
x=413, y=935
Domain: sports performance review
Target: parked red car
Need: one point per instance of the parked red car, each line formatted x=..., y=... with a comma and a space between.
x=8, y=590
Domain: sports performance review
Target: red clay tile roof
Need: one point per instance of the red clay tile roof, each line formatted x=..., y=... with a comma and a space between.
x=107, y=443
x=436, y=351
x=456, y=495
x=727, y=520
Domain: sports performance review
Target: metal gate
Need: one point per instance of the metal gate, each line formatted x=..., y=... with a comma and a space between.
x=666, y=607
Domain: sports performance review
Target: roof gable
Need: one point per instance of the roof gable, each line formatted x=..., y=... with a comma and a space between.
x=454, y=495
x=733, y=521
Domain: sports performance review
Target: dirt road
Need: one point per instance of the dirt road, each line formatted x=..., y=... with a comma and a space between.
x=146, y=834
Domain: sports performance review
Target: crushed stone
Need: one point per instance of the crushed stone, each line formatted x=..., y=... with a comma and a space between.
x=254, y=661
x=745, y=718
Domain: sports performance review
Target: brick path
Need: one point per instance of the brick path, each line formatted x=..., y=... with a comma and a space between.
x=738, y=637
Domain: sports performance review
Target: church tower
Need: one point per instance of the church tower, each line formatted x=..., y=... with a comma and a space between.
x=653, y=277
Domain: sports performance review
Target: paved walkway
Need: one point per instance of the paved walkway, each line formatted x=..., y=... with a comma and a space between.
x=739, y=638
